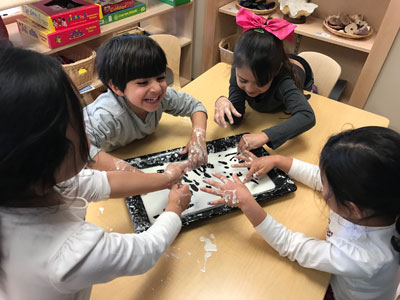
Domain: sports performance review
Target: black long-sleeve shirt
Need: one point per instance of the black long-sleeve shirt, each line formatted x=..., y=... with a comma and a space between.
x=282, y=95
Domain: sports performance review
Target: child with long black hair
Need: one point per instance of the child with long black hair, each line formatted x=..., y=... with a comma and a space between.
x=358, y=174
x=264, y=76
x=47, y=249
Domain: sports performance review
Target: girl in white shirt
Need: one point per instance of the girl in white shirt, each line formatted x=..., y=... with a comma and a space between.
x=358, y=174
x=47, y=249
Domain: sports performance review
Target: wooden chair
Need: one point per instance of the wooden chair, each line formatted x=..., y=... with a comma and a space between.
x=172, y=48
x=326, y=71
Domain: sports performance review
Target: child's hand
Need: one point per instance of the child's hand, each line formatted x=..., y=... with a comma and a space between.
x=224, y=107
x=258, y=165
x=233, y=193
x=178, y=199
x=196, y=149
x=252, y=141
x=175, y=171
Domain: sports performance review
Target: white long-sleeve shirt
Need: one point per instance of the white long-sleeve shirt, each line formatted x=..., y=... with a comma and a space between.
x=52, y=253
x=362, y=261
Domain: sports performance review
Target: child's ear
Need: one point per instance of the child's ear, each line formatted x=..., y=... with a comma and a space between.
x=355, y=211
x=115, y=89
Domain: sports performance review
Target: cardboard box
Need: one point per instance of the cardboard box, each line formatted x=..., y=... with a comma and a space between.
x=58, y=38
x=175, y=2
x=122, y=14
x=109, y=7
x=56, y=17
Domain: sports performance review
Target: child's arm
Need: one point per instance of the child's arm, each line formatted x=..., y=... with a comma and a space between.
x=196, y=148
x=307, y=251
x=125, y=184
x=302, y=116
x=106, y=162
x=91, y=256
x=94, y=185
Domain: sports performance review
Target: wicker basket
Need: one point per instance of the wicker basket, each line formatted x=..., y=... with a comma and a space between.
x=258, y=11
x=346, y=35
x=81, y=69
x=226, y=47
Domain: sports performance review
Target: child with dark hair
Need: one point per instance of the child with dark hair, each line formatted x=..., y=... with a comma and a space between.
x=358, y=174
x=263, y=75
x=48, y=251
x=133, y=68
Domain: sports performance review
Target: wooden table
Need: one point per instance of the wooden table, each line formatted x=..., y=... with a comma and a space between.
x=244, y=266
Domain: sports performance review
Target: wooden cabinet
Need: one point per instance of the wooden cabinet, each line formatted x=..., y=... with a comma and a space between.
x=158, y=18
x=361, y=59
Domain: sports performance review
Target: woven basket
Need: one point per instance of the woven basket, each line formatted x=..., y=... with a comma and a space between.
x=226, y=47
x=258, y=11
x=82, y=69
x=346, y=35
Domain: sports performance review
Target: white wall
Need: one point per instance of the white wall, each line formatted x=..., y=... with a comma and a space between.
x=384, y=98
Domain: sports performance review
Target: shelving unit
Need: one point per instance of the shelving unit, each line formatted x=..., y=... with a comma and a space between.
x=357, y=57
x=158, y=18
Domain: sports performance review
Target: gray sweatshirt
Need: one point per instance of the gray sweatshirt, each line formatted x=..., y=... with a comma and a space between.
x=111, y=124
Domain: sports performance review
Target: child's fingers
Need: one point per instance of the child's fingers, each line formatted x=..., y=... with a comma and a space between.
x=243, y=157
x=216, y=202
x=235, y=112
x=211, y=191
x=249, y=153
x=221, y=177
x=241, y=165
x=229, y=115
x=213, y=183
x=250, y=175
x=184, y=151
x=236, y=179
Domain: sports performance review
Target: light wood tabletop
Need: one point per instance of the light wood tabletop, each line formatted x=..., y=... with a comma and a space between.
x=244, y=265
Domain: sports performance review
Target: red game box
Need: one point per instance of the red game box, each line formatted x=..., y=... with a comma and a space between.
x=58, y=38
x=55, y=15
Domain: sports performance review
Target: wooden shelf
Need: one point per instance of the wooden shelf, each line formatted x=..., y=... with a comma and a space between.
x=313, y=28
x=14, y=3
x=152, y=11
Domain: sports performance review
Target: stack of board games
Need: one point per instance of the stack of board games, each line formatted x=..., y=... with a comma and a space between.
x=56, y=23
x=115, y=10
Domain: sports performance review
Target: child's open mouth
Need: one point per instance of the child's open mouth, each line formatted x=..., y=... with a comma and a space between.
x=152, y=100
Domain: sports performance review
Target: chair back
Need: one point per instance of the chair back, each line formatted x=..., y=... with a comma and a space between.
x=172, y=48
x=326, y=71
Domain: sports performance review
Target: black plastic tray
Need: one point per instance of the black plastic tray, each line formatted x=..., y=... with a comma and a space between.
x=283, y=184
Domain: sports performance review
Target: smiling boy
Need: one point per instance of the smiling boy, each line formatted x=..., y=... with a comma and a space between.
x=133, y=68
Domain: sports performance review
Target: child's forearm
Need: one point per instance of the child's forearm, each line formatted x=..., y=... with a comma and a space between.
x=199, y=120
x=281, y=162
x=253, y=211
x=125, y=184
x=106, y=162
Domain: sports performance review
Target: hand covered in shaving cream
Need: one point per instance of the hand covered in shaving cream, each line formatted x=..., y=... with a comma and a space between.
x=196, y=149
x=232, y=192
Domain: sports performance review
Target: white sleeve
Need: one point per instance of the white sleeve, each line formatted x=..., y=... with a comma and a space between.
x=306, y=173
x=335, y=258
x=92, y=256
x=90, y=184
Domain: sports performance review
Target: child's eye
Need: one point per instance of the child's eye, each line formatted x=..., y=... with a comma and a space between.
x=243, y=81
x=141, y=82
x=161, y=78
